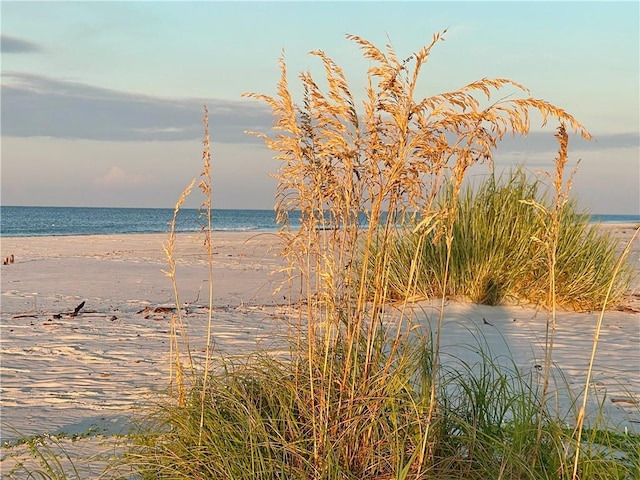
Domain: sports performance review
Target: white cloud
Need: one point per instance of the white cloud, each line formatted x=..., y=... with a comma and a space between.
x=118, y=178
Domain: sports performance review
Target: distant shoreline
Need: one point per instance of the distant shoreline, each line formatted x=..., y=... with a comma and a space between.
x=606, y=225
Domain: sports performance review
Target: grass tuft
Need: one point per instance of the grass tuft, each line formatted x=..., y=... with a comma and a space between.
x=495, y=259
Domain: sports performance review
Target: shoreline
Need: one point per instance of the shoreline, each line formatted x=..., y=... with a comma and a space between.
x=272, y=231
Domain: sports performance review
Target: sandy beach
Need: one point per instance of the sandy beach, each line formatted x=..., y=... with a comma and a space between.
x=90, y=372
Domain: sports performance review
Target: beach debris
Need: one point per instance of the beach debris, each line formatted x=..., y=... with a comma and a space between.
x=57, y=316
x=150, y=312
x=147, y=310
x=8, y=260
x=632, y=401
x=484, y=321
x=77, y=309
x=70, y=314
x=630, y=304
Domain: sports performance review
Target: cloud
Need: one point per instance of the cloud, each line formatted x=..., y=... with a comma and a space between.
x=39, y=106
x=116, y=178
x=35, y=105
x=9, y=44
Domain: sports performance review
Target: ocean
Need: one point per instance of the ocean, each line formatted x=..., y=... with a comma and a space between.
x=43, y=221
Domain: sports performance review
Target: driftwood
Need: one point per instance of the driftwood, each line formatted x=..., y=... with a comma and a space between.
x=56, y=316
x=632, y=401
x=77, y=309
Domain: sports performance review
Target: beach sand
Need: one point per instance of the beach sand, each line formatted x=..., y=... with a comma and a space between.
x=92, y=372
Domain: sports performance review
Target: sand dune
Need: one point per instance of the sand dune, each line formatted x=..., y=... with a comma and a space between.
x=63, y=373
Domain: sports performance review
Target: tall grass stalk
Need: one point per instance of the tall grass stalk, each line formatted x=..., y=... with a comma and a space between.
x=205, y=207
x=177, y=329
x=549, y=242
x=596, y=338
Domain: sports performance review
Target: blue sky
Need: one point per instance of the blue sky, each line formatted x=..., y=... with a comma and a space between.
x=101, y=101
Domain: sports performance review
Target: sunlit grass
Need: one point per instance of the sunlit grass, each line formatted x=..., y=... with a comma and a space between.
x=364, y=394
x=495, y=259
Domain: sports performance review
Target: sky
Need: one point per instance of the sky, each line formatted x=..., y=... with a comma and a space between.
x=102, y=101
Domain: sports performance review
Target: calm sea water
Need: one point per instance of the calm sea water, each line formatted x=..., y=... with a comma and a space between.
x=40, y=221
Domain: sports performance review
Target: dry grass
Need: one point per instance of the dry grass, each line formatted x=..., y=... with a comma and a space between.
x=395, y=157
x=361, y=399
x=177, y=334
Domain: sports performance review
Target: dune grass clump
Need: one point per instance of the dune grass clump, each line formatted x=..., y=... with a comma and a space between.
x=495, y=258
x=364, y=393
x=260, y=419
